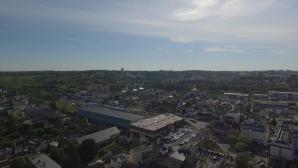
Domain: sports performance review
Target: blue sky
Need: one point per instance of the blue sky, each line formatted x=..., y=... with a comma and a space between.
x=148, y=35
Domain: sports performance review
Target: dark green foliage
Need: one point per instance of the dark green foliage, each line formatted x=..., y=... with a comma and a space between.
x=26, y=129
x=238, y=143
x=20, y=162
x=273, y=122
x=241, y=147
x=47, y=86
x=87, y=151
x=71, y=157
x=63, y=107
x=242, y=160
x=57, y=154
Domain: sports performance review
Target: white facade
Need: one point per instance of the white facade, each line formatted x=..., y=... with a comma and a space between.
x=282, y=151
x=283, y=96
x=234, y=115
x=120, y=161
x=285, y=143
x=141, y=155
x=261, y=137
x=255, y=131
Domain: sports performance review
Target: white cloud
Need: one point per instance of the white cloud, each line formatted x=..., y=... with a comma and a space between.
x=188, y=51
x=73, y=39
x=228, y=49
x=202, y=9
x=267, y=21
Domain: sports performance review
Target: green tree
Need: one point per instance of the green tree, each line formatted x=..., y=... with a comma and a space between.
x=68, y=108
x=13, y=122
x=244, y=140
x=87, y=151
x=250, y=101
x=71, y=158
x=242, y=160
x=273, y=122
x=232, y=139
x=62, y=106
x=26, y=129
x=58, y=155
x=20, y=162
x=240, y=147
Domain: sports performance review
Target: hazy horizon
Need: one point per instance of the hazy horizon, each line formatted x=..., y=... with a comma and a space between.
x=212, y=35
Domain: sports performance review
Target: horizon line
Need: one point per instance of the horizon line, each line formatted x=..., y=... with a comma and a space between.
x=130, y=70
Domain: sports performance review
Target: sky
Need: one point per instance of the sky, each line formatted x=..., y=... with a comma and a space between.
x=148, y=35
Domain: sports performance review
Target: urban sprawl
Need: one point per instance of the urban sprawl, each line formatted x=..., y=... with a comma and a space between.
x=162, y=119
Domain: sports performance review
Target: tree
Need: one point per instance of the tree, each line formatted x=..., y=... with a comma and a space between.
x=26, y=129
x=68, y=108
x=13, y=122
x=250, y=101
x=242, y=160
x=232, y=139
x=241, y=147
x=58, y=155
x=87, y=151
x=273, y=122
x=71, y=157
x=244, y=140
x=20, y=162
x=62, y=106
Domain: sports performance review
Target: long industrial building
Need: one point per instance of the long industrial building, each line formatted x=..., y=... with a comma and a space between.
x=152, y=127
x=109, y=116
x=102, y=136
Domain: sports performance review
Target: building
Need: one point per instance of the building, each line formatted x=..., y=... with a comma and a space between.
x=204, y=116
x=263, y=97
x=43, y=161
x=19, y=102
x=255, y=130
x=285, y=143
x=101, y=137
x=220, y=128
x=109, y=116
x=233, y=115
x=38, y=114
x=282, y=96
x=191, y=156
x=119, y=161
x=270, y=105
x=237, y=96
x=153, y=127
x=175, y=160
x=96, y=164
x=141, y=155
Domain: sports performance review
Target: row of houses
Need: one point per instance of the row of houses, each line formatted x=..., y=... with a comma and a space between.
x=285, y=142
x=270, y=96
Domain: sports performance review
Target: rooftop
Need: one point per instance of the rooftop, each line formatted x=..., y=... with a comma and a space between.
x=235, y=94
x=100, y=136
x=178, y=156
x=112, y=113
x=157, y=122
x=43, y=161
x=253, y=124
x=278, y=92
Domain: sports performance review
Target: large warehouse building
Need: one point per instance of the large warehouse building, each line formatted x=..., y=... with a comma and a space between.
x=102, y=136
x=154, y=126
x=109, y=116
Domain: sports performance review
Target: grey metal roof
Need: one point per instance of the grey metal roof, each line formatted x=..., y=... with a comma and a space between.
x=43, y=161
x=101, y=136
x=157, y=122
x=112, y=112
